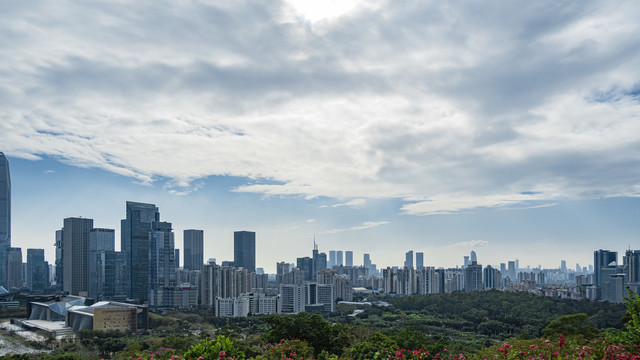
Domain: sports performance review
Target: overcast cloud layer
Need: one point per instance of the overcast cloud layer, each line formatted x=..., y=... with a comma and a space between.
x=448, y=106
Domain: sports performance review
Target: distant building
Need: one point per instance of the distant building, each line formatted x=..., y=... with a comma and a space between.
x=135, y=245
x=75, y=248
x=339, y=261
x=193, y=249
x=100, y=241
x=602, y=259
x=244, y=250
x=408, y=262
x=473, y=277
x=492, y=278
x=14, y=268
x=5, y=216
x=37, y=276
x=59, y=264
x=419, y=260
x=108, y=316
x=348, y=258
x=162, y=266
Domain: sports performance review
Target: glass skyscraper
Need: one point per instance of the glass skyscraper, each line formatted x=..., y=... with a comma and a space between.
x=193, y=249
x=75, y=248
x=136, y=230
x=5, y=216
x=244, y=250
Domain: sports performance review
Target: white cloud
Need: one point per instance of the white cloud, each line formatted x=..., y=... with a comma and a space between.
x=448, y=107
x=352, y=203
x=471, y=244
x=363, y=226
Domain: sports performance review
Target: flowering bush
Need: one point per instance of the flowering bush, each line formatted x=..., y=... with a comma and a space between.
x=222, y=348
x=287, y=349
x=561, y=349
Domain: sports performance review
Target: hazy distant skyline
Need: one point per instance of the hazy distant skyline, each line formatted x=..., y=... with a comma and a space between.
x=382, y=127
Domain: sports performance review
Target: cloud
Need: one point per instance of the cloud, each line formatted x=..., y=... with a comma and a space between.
x=352, y=203
x=459, y=203
x=471, y=243
x=446, y=107
x=365, y=225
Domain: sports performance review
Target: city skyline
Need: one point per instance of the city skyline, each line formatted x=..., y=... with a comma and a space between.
x=487, y=253
x=506, y=129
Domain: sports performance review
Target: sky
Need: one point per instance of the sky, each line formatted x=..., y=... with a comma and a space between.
x=511, y=129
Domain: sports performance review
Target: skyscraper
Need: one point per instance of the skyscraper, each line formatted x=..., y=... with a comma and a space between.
x=339, y=261
x=162, y=266
x=5, y=216
x=419, y=260
x=14, y=268
x=473, y=277
x=136, y=229
x=100, y=241
x=75, y=248
x=408, y=261
x=366, y=260
x=631, y=263
x=601, y=259
x=348, y=258
x=332, y=259
x=244, y=250
x=193, y=249
x=37, y=270
x=59, y=279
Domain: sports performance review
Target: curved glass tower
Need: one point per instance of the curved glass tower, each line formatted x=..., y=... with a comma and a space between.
x=5, y=216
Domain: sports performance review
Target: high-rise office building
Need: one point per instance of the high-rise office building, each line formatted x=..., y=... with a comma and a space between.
x=177, y=257
x=339, y=261
x=100, y=241
x=631, y=263
x=511, y=270
x=136, y=229
x=14, y=268
x=332, y=259
x=306, y=265
x=492, y=278
x=319, y=261
x=602, y=259
x=193, y=249
x=473, y=277
x=75, y=248
x=366, y=261
x=408, y=259
x=162, y=267
x=244, y=250
x=348, y=258
x=5, y=216
x=473, y=257
x=59, y=277
x=37, y=278
x=419, y=260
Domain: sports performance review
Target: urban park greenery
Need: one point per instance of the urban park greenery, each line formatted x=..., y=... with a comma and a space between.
x=481, y=325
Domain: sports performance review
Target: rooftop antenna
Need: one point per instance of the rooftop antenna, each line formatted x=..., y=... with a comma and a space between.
x=315, y=246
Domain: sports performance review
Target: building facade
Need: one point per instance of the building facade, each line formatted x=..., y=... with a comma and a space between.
x=244, y=250
x=135, y=245
x=193, y=249
x=75, y=248
x=5, y=216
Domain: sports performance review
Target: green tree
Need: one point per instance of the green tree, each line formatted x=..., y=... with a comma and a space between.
x=630, y=334
x=570, y=325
